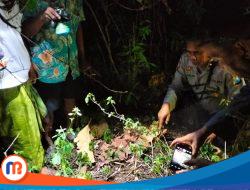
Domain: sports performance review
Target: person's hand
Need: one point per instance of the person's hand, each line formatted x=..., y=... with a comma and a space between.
x=50, y=14
x=192, y=139
x=211, y=138
x=164, y=114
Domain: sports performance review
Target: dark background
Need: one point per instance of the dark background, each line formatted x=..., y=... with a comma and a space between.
x=116, y=49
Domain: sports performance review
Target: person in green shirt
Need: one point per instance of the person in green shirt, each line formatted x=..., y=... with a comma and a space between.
x=57, y=52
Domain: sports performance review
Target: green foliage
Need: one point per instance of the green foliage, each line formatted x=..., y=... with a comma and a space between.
x=64, y=158
x=92, y=145
x=88, y=175
x=160, y=163
x=135, y=61
x=129, y=123
x=89, y=97
x=144, y=32
x=110, y=101
x=164, y=147
x=136, y=149
x=74, y=116
x=106, y=170
x=207, y=151
x=31, y=168
x=29, y=4
x=134, y=126
x=136, y=57
x=147, y=160
x=112, y=154
x=107, y=136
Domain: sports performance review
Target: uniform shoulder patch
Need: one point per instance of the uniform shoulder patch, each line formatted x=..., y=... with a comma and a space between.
x=237, y=80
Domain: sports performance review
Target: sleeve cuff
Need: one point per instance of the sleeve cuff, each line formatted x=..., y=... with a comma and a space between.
x=171, y=99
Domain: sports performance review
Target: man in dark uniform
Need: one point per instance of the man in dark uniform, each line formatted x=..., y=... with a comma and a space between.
x=211, y=86
x=239, y=109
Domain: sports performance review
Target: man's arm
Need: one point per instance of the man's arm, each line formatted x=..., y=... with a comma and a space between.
x=32, y=26
x=177, y=83
x=241, y=103
x=170, y=99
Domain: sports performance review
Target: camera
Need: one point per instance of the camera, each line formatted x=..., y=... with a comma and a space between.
x=65, y=16
x=182, y=153
x=58, y=24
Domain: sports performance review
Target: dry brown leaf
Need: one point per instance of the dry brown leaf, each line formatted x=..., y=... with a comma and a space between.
x=152, y=133
x=119, y=142
x=122, y=155
x=83, y=170
x=130, y=137
x=103, y=146
x=83, y=140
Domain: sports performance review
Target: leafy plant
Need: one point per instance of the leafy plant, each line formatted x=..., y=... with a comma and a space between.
x=107, y=136
x=129, y=123
x=160, y=162
x=135, y=61
x=112, y=154
x=92, y=145
x=106, y=170
x=88, y=175
x=64, y=158
x=207, y=151
x=136, y=149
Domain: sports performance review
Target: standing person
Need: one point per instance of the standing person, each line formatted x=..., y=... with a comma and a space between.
x=58, y=52
x=21, y=108
x=206, y=79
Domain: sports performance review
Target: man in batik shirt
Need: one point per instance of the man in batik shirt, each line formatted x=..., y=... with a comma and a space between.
x=58, y=51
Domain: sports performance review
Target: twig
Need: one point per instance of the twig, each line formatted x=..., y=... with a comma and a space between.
x=118, y=163
x=120, y=117
x=113, y=174
x=152, y=150
x=103, y=85
x=142, y=8
x=6, y=151
x=128, y=174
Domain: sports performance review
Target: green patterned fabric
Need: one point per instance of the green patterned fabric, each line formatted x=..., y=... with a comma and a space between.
x=21, y=110
x=55, y=54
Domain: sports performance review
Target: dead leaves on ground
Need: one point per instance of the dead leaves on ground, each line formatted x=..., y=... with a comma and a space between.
x=119, y=148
